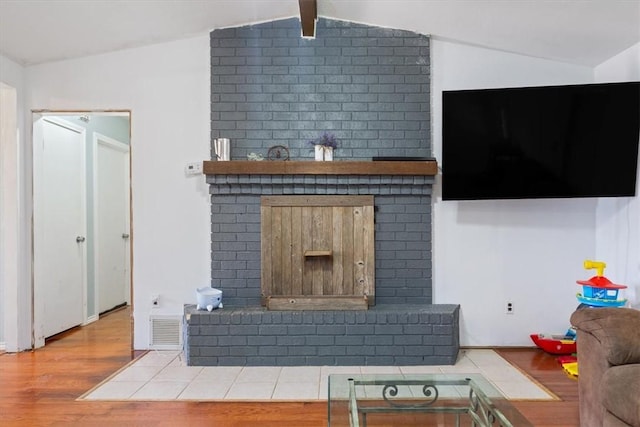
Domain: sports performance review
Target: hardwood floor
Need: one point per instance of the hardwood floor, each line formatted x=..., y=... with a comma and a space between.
x=40, y=388
x=545, y=369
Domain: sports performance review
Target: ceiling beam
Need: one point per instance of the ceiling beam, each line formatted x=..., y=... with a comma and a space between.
x=308, y=17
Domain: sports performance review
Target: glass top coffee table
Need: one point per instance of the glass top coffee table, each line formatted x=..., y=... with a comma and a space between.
x=418, y=399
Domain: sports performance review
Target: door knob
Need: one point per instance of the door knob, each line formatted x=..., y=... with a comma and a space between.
x=80, y=239
x=125, y=235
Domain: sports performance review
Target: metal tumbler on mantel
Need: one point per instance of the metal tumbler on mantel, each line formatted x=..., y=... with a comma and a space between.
x=222, y=147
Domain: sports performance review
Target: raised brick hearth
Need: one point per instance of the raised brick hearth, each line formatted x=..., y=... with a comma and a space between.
x=387, y=334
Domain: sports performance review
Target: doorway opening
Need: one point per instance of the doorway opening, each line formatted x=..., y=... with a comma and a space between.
x=82, y=258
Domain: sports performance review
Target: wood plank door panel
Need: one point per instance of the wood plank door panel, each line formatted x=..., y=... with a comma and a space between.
x=285, y=250
x=320, y=248
x=307, y=242
x=297, y=252
x=369, y=250
x=347, y=248
x=276, y=250
x=319, y=242
x=337, y=269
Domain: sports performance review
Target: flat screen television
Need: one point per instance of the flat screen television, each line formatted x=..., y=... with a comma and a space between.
x=541, y=142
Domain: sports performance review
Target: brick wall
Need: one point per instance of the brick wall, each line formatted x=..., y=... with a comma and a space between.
x=368, y=85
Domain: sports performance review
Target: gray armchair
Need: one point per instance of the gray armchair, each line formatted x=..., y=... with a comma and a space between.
x=609, y=366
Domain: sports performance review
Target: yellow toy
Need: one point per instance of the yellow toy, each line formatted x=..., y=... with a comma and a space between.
x=571, y=369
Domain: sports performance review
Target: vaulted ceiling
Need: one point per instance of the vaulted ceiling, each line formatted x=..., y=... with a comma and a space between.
x=574, y=31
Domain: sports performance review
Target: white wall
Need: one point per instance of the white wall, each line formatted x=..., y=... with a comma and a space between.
x=529, y=252
x=15, y=329
x=618, y=233
x=623, y=67
x=12, y=74
x=166, y=87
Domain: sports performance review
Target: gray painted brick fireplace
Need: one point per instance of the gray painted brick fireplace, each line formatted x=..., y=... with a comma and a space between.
x=370, y=87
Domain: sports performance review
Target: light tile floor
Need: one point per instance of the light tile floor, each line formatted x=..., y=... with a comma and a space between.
x=163, y=375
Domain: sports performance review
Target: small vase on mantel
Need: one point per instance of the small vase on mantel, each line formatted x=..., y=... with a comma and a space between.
x=328, y=154
x=323, y=154
x=324, y=147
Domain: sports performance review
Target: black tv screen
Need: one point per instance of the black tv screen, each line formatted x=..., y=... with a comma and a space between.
x=541, y=142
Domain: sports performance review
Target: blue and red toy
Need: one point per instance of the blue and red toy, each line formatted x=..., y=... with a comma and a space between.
x=555, y=344
x=599, y=291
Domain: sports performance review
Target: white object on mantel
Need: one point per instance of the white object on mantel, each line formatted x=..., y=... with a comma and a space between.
x=222, y=148
x=328, y=154
x=323, y=153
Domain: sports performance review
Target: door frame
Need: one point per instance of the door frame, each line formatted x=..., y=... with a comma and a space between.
x=47, y=112
x=38, y=159
x=97, y=139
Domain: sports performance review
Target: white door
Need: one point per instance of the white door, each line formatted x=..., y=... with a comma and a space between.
x=111, y=211
x=59, y=215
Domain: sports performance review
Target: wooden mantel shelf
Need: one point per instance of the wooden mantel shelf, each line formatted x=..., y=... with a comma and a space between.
x=245, y=167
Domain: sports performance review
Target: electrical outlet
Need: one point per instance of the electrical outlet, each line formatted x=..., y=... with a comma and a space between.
x=509, y=308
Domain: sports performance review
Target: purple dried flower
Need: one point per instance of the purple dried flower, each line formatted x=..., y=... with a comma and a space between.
x=326, y=140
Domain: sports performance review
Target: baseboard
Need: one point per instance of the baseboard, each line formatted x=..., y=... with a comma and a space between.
x=91, y=319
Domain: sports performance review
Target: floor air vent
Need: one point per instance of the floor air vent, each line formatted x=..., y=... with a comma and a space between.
x=166, y=332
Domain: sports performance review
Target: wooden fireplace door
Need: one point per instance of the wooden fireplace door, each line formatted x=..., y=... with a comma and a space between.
x=317, y=252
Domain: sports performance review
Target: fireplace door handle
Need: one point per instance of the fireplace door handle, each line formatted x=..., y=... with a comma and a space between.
x=325, y=253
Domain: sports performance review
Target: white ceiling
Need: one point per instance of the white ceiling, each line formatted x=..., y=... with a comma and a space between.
x=584, y=32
